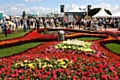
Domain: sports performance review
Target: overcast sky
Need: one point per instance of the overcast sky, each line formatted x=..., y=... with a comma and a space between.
x=53, y=6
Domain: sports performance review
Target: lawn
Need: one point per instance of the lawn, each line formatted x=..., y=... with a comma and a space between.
x=49, y=32
x=17, y=33
x=88, y=38
x=113, y=47
x=17, y=49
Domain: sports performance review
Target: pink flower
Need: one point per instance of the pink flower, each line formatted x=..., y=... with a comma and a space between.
x=116, y=77
x=13, y=75
x=74, y=78
x=109, y=77
x=111, y=68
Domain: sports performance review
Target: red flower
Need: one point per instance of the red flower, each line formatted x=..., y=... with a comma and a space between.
x=83, y=77
x=88, y=78
x=54, y=76
x=47, y=73
x=100, y=70
x=94, y=78
x=22, y=78
x=74, y=78
x=104, y=77
x=100, y=66
x=28, y=77
x=39, y=75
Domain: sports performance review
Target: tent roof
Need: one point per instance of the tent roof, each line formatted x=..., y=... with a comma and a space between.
x=117, y=14
x=76, y=11
x=101, y=14
x=6, y=16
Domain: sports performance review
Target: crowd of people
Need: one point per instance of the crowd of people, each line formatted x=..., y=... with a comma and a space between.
x=78, y=23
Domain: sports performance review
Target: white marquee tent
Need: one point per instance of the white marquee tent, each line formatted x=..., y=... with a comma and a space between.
x=5, y=16
x=77, y=10
x=101, y=14
x=117, y=14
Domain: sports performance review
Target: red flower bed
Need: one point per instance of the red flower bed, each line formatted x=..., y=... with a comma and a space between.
x=37, y=63
x=34, y=36
x=82, y=67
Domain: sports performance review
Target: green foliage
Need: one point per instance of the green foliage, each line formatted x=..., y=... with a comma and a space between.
x=23, y=14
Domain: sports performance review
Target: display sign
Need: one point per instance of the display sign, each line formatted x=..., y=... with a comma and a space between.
x=70, y=18
x=1, y=16
x=61, y=8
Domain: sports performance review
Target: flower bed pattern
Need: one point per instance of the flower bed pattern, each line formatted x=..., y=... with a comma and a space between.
x=75, y=47
x=37, y=63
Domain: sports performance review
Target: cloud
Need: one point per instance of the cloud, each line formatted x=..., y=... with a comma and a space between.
x=40, y=0
x=101, y=0
x=86, y=0
x=19, y=5
x=30, y=0
x=107, y=6
x=19, y=8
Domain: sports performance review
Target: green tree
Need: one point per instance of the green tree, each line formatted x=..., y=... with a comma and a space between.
x=24, y=14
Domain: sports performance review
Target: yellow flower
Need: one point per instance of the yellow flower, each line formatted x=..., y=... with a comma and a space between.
x=62, y=62
x=21, y=64
x=47, y=58
x=50, y=65
x=44, y=66
x=70, y=62
x=66, y=59
x=37, y=59
x=40, y=64
x=64, y=66
x=31, y=65
x=25, y=61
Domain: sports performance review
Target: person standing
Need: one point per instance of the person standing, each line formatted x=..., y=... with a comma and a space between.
x=28, y=23
x=106, y=24
x=96, y=24
x=24, y=25
x=119, y=25
x=4, y=25
x=91, y=24
x=37, y=23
